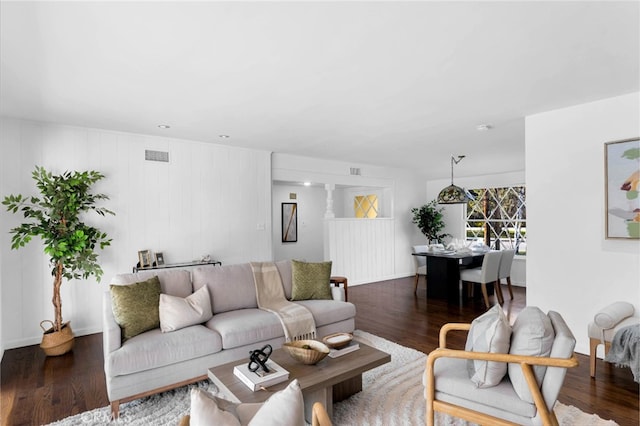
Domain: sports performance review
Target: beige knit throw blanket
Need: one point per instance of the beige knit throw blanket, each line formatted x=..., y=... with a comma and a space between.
x=296, y=320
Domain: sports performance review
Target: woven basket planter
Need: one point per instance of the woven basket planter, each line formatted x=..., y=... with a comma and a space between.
x=56, y=343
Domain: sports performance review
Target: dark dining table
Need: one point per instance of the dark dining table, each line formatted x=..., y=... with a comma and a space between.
x=443, y=273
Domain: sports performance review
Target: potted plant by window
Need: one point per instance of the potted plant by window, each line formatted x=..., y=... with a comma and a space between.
x=56, y=217
x=430, y=222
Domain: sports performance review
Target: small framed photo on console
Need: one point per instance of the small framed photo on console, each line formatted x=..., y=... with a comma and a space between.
x=159, y=259
x=144, y=257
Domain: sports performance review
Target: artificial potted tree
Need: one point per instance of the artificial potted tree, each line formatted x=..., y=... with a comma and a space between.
x=56, y=217
x=430, y=222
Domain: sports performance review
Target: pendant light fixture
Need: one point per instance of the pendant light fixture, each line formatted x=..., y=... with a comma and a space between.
x=453, y=194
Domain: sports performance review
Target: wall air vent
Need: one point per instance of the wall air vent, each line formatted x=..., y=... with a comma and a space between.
x=161, y=156
x=355, y=171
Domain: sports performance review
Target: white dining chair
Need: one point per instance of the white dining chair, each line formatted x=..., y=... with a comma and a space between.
x=506, y=261
x=420, y=264
x=487, y=274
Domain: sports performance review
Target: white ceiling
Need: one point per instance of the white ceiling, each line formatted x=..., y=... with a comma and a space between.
x=400, y=84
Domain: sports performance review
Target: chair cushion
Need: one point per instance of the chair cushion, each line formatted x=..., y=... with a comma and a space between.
x=155, y=349
x=490, y=332
x=611, y=315
x=310, y=280
x=135, y=306
x=532, y=334
x=180, y=312
x=452, y=383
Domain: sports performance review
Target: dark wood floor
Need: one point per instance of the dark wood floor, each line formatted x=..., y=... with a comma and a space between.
x=36, y=390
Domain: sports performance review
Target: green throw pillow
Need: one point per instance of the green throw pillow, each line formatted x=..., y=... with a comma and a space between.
x=310, y=280
x=135, y=306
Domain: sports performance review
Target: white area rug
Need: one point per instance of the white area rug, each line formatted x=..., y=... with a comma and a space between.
x=392, y=395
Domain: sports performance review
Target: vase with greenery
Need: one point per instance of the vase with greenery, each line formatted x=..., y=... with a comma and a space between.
x=430, y=222
x=56, y=216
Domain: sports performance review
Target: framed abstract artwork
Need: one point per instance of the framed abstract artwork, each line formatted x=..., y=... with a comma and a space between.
x=289, y=222
x=622, y=186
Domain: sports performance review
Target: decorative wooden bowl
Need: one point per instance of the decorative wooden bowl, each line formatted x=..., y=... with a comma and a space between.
x=306, y=351
x=337, y=340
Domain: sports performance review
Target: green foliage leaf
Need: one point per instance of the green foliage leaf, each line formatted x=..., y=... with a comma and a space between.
x=56, y=217
x=430, y=221
x=632, y=195
x=631, y=154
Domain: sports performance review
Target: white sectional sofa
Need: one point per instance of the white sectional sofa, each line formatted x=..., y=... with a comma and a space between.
x=154, y=361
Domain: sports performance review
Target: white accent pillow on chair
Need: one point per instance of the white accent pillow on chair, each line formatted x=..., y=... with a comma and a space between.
x=283, y=408
x=490, y=332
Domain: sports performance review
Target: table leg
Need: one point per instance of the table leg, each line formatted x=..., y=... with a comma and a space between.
x=327, y=396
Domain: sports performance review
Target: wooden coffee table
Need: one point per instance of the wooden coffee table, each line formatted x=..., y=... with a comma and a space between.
x=331, y=380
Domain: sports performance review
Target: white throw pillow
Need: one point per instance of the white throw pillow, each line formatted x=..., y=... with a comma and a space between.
x=205, y=411
x=178, y=312
x=490, y=332
x=532, y=335
x=283, y=408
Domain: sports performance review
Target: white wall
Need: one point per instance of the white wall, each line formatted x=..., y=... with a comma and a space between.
x=571, y=267
x=311, y=202
x=407, y=188
x=454, y=214
x=209, y=199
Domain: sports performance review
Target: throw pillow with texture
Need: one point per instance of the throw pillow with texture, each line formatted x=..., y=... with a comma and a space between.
x=208, y=410
x=135, y=306
x=310, y=280
x=490, y=332
x=283, y=408
x=533, y=335
x=179, y=312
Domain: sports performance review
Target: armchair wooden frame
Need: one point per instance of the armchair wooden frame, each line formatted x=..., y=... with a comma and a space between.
x=320, y=417
x=526, y=362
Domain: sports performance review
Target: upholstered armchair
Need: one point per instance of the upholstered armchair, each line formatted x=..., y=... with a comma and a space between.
x=525, y=389
x=606, y=323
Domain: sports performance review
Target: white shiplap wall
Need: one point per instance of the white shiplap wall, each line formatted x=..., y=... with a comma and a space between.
x=361, y=249
x=209, y=199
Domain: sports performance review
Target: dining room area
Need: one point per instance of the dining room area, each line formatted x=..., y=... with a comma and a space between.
x=457, y=275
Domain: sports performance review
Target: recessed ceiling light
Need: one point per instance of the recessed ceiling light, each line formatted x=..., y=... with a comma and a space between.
x=224, y=136
x=483, y=127
x=307, y=184
x=164, y=126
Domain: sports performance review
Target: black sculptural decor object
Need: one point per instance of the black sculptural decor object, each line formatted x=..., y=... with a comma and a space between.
x=258, y=360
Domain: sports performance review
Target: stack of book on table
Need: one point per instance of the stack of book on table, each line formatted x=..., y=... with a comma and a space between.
x=258, y=379
x=352, y=346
